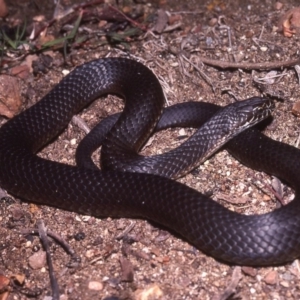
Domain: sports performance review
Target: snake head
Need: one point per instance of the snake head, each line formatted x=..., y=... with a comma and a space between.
x=238, y=116
x=252, y=111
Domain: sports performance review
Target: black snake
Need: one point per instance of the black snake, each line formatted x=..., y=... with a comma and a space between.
x=267, y=239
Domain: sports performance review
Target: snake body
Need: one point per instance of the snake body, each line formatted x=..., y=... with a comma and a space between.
x=272, y=238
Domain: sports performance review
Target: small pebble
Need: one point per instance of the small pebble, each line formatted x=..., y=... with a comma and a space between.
x=271, y=278
x=285, y=284
x=77, y=218
x=296, y=109
x=79, y=236
x=287, y=276
x=151, y=292
x=249, y=271
x=182, y=132
x=278, y=5
x=266, y=198
x=212, y=22
x=203, y=274
x=89, y=253
x=37, y=260
x=73, y=142
x=65, y=72
x=95, y=285
x=85, y=218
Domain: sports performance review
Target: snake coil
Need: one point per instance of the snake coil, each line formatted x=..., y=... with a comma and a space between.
x=272, y=238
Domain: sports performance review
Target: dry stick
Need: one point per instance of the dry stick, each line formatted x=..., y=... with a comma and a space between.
x=79, y=122
x=265, y=187
x=231, y=288
x=204, y=76
x=2, y=193
x=126, y=231
x=86, y=4
x=43, y=236
x=249, y=66
x=297, y=69
x=71, y=10
x=276, y=194
x=136, y=24
x=38, y=32
x=186, y=12
x=55, y=236
x=298, y=141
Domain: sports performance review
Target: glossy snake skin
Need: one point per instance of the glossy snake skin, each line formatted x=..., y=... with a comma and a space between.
x=267, y=239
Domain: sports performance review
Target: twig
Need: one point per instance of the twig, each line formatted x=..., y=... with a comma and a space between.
x=228, y=33
x=261, y=32
x=185, y=12
x=267, y=189
x=276, y=194
x=86, y=4
x=172, y=27
x=270, y=77
x=2, y=193
x=204, y=76
x=258, y=40
x=67, y=12
x=55, y=236
x=136, y=24
x=126, y=231
x=297, y=69
x=56, y=9
x=38, y=32
x=298, y=141
x=231, y=288
x=249, y=66
x=79, y=122
x=43, y=236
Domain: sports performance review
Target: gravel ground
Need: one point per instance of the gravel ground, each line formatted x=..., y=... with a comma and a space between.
x=135, y=259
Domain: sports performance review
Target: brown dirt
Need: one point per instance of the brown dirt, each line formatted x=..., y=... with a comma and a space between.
x=158, y=257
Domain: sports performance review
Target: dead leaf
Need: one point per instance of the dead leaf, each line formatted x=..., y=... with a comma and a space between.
x=33, y=208
x=296, y=109
x=127, y=270
x=10, y=96
x=278, y=5
x=4, y=287
x=3, y=9
x=173, y=19
x=29, y=59
x=233, y=199
x=21, y=71
x=162, y=20
x=4, y=282
x=19, y=278
x=153, y=291
x=289, y=23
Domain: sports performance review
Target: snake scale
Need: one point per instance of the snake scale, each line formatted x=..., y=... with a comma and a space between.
x=268, y=239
